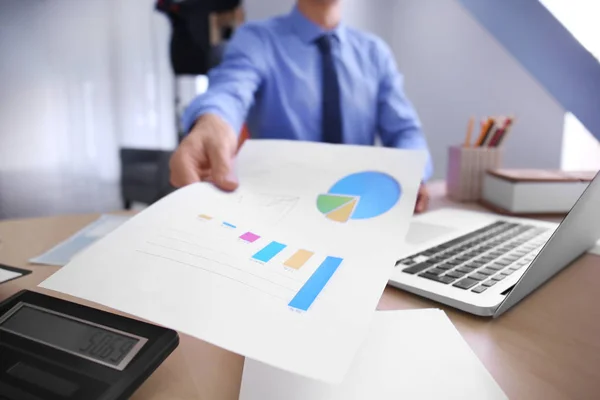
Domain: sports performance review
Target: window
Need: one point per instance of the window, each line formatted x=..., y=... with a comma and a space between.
x=581, y=150
x=580, y=17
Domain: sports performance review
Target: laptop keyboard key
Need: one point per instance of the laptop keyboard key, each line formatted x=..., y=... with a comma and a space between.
x=436, y=271
x=487, y=271
x=479, y=277
x=479, y=261
x=442, y=279
x=421, y=258
x=466, y=283
x=417, y=268
x=479, y=289
x=445, y=266
x=456, y=274
x=498, y=277
x=489, y=283
x=465, y=269
x=495, y=267
x=473, y=265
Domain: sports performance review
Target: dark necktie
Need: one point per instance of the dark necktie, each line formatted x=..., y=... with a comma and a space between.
x=332, y=114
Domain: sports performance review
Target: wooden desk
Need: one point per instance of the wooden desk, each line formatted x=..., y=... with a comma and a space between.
x=547, y=347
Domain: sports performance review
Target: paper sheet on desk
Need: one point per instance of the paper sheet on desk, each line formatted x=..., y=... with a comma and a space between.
x=6, y=275
x=263, y=272
x=415, y=354
x=62, y=253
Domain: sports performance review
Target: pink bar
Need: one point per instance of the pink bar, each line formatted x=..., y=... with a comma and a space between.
x=250, y=237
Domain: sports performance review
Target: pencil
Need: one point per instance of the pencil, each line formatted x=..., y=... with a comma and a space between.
x=496, y=127
x=497, y=136
x=499, y=133
x=485, y=132
x=481, y=132
x=505, y=133
x=469, y=132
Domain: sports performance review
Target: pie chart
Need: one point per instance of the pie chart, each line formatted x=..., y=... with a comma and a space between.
x=361, y=195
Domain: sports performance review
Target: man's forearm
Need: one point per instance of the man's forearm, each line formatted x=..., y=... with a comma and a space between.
x=202, y=106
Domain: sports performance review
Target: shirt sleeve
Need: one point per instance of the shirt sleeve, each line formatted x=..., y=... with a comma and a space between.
x=233, y=83
x=398, y=123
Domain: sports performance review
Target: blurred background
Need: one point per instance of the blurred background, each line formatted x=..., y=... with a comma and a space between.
x=91, y=91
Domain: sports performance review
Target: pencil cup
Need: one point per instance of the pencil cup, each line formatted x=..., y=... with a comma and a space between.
x=466, y=169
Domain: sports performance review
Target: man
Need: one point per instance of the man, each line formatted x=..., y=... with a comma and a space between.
x=303, y=76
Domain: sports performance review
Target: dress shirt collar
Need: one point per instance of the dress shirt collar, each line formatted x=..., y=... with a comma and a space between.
x=308, y=31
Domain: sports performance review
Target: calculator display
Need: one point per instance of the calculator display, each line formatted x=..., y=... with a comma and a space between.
x=91, y=341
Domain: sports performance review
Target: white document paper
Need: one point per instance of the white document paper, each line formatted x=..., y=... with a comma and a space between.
x=64, y=252
x=6, y=275
x=414, y=354
x=287, y=270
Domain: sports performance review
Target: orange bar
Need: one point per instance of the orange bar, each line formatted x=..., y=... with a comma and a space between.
x=298, y=259
x=204, y=216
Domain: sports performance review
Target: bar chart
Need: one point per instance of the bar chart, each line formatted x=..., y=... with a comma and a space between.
x=267, y=253
x=278, y=255
x=315, y=284
x=299, y=258
x=249, y=237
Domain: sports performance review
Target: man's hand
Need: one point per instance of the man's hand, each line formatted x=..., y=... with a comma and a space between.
x=206, y=154
x=422, y=199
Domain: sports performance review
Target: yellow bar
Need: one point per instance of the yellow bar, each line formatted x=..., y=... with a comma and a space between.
x=204, y=216
x=298, y=259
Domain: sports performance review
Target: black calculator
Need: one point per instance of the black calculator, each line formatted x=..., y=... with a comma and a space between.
x=52, y=349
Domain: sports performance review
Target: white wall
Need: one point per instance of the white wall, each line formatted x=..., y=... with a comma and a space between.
x=455, y=69
x=49, y=85
x=144, y=101
x=80, y=78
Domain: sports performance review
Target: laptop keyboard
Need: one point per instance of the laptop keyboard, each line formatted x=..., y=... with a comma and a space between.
x=480, y=259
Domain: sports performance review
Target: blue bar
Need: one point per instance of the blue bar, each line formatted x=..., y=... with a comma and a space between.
x=315, y=284
x=228, y=224
x=269, y=251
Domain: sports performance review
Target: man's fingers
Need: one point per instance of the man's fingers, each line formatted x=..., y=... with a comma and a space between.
x=422, y=200
x=221, y=165
x=186, y=167
x=421, y=205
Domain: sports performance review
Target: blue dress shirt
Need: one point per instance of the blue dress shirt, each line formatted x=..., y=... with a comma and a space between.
x=270, y=78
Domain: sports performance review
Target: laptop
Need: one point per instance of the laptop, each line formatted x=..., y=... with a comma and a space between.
x=483, y=263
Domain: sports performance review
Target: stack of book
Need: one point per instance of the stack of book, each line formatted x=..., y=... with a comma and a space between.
x=533, y=191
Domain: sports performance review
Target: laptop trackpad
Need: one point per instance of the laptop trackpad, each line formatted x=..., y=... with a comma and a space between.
x=419, y=232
